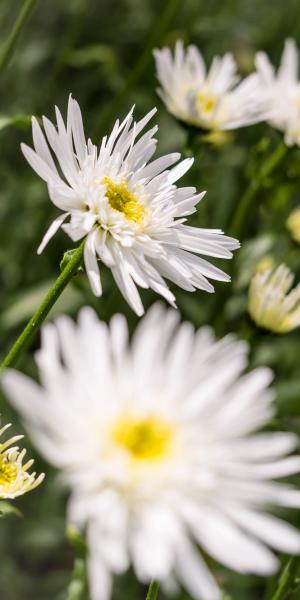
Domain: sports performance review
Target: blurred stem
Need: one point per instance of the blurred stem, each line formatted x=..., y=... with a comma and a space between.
x=160, y=26
x=286, y=580
x=245, y=204
x=152, y=590
x=41, y=313
x=77, y=586
x=192, y=142
x=10, y=45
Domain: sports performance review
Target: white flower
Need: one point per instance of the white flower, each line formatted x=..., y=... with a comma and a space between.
x=158, y=444
x=270, y=305
x=130, y=212
x=209, y=100
x=14, y=477
x=284, y=89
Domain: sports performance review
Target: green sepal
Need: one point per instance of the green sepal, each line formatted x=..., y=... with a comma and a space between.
x=67, y=257
x=77, y=540
x=7, y=509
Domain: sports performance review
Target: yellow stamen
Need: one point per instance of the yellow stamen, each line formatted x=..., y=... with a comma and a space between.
x=122, y=200
x=145, y=439
x=207, y=102
x=8, y=471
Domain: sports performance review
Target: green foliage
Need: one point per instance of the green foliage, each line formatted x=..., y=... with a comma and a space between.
x=92, y=49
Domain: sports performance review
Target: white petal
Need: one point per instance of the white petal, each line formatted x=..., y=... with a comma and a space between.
x=52, y=231
x=91, y=264
x=180, y=170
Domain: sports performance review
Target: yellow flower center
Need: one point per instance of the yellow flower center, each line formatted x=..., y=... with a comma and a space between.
x=145, y=439
x=122, y=200
x=207, y=102
x=8, y=471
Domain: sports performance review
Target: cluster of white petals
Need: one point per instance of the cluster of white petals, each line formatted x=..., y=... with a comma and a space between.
x=129, y=209
x=271, y=304
x=209, y=100
x=284, y=91
x=158, y=442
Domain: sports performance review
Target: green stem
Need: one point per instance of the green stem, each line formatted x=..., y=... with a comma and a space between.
x=160, y=26
x=152, y=590
x=40, y=314
x=11, y=43
x=245, y=204
x=287, y=580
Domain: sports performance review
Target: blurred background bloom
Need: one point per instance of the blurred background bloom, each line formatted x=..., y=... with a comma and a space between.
x=271, y=304
x=213, y=99
x=158, y=444
x=284, y=89
x=293, y=224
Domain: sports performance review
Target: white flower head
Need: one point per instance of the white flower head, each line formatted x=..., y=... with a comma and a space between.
x=284, y=90
x=270, y=304
x=15, y=479
x=209, y=100
x=158, y=443
x=130, y=211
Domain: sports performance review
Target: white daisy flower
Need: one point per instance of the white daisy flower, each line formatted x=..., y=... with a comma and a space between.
x=208, y=100
x=270, y=305
x=15, y=480
x=130, y=212
x=158, y=444
x=284, y=90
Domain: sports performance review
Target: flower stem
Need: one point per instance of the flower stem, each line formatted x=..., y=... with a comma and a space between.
x=287, y=578
x=152, y=590
x=159, y=27
x=12, y=40
x=40, y=314
x=245, y=203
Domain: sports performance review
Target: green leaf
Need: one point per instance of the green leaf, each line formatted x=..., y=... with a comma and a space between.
x=19, y=121
x=23, y=305
x=91, y=54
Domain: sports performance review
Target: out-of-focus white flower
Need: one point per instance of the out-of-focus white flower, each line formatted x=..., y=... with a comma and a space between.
x=293, y=224
x=130, y=212
x=270, y=305
x=158, y=444
x=284, y=90
x=266, y=263
x=14, y=477
x=209, y=100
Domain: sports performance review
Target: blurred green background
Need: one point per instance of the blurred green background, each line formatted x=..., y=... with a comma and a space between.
x=100, y=51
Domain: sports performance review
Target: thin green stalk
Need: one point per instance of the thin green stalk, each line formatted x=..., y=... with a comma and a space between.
x=12, y=40
x=286, y=581
x=160, y=26
x=245, y=204
x=152, y=591
x=40, y=314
